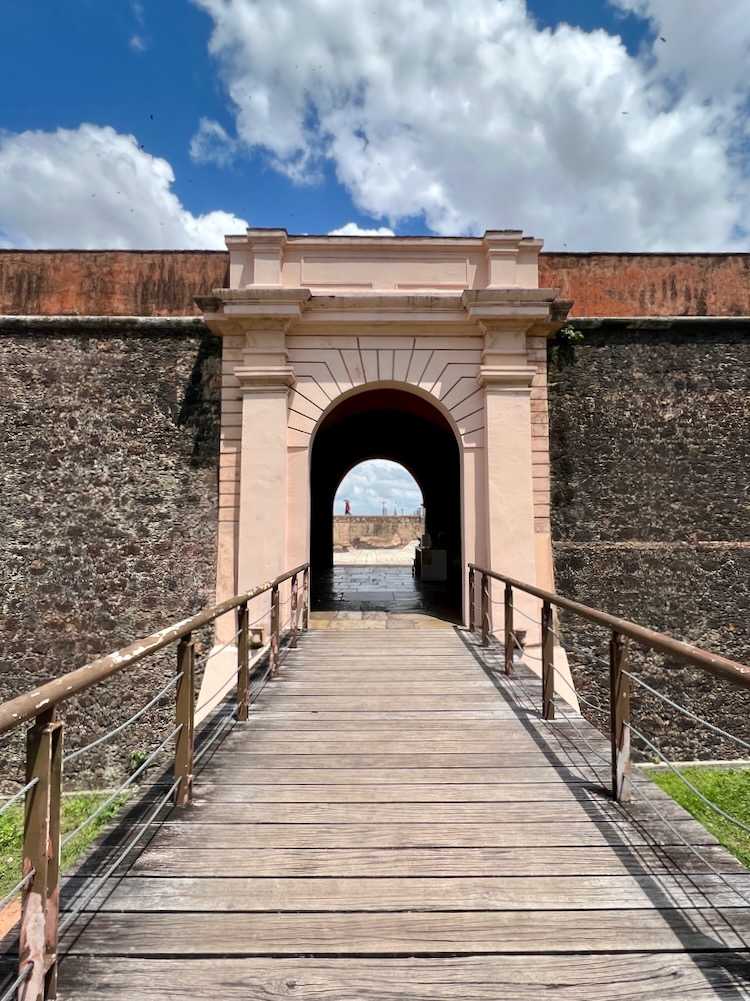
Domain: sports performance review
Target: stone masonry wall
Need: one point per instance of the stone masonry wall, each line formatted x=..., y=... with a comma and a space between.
x=108, y=466
x=164, y=282
x=650, y=450
x=347, y=528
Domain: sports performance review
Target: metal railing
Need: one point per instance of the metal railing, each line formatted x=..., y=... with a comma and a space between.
x=40, y=925
x=621, y=679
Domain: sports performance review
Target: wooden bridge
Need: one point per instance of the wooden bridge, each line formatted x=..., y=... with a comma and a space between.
x=395, y=819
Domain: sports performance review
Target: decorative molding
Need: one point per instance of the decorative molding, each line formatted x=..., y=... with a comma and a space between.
x=506, y=377
x=265, y=377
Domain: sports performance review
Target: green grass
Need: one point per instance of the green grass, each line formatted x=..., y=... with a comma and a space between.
x=75, y=809
x=729, y=788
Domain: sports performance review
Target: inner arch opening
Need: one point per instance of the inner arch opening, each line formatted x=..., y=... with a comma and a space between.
x=401, y=427
x=378, y=515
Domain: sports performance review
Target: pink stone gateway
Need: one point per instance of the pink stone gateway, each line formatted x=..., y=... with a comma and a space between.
x=453, y=327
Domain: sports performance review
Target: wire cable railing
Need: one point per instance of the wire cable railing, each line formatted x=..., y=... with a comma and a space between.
x=18, y=795
x=105, y=737
x=45, y=762
x=626, y=783
x=687, y=712
x=101, y=879
x=637, y=786
x=106, y=803
x=21, y=979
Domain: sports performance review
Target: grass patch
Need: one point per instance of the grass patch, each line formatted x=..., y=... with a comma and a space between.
x=75, y=809
x=729, y=788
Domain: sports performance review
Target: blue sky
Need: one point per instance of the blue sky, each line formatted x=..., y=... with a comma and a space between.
x=170, y=122
x=377, y=483
x=594, y=124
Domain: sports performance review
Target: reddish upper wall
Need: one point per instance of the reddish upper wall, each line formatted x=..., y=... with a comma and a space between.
x=108, y=282
x=650, y=284
x=163, y=283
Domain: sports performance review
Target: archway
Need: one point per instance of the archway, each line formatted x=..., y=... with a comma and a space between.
x=405, y=428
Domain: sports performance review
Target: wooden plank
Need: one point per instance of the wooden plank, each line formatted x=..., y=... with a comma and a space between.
x=511, y=835
x=522, y=893
x=226, y=771
x=284, y=745
x=411, y=813
x=269, y=712
x=360, y=687
x=573, y=861
x=362, y=934
x=376, y=703
x=427, y=762
x=616, y=977
x=479, y=792
x=368, y=726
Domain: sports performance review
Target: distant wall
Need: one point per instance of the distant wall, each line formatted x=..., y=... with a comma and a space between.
x=650, y=454
x=108, y=282
x=347, y=529
x=163, y=283
x=108, y=477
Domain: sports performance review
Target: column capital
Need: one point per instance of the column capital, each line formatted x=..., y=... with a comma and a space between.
x=506, y=377
x=257, y=378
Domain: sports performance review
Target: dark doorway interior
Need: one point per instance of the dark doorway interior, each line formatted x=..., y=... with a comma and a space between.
x=397, y=425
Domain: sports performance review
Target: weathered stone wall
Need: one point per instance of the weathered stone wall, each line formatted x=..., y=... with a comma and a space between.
x=108, y=282
x=164, y=282
x=650, y=449
x=108, y=474
x=384, y=528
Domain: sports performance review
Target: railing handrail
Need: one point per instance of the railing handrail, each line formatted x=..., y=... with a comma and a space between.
x=29, y=705
x=662, y=642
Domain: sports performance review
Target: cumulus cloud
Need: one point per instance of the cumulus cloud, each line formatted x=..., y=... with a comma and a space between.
x=352, y=229
x=473, y=116
x=212, y=144
x=94, y=187
x=705, y=49
x=376, y=482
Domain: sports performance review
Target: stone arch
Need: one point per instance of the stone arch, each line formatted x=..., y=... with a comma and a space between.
x=390, y=422
x=444, y=370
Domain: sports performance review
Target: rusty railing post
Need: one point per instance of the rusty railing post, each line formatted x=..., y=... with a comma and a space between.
x=243, y=672
x=306, y=598
x=485, y=589
x=40, y=907
x=185, y=714
x=274, y=629
x=619, y=705
x=472, y=600
x=509, y=644
x=548, y=663
x=294, y=603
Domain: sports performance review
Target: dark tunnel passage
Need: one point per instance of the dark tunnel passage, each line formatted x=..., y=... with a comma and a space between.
x=397, y=425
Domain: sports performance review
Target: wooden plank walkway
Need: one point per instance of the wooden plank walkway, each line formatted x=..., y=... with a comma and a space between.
x=396, y=822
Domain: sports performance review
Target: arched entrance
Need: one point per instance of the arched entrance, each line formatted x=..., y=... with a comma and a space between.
x=399, y=425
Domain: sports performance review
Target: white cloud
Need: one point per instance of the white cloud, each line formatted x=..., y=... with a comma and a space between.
x=94, y=187
x=375, y=482
x=701, y=44
x=353, y=229
x=212, y=144
x=138, y=43
x=473, y=116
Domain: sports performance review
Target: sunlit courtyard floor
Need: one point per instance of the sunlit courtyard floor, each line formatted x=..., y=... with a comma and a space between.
x=403, y=557
x=384, y=596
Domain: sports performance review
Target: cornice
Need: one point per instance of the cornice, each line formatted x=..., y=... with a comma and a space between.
x=299, y=309
x=506, y=377
x=260, y=377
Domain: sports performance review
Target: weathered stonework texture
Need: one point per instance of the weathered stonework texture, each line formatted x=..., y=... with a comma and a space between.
x=650, y=455
x=650, y=284
x=163, y=283
x=109, y=460
x=108, y=282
